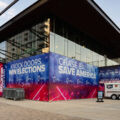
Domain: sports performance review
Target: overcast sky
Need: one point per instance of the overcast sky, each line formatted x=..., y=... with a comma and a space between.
x=13, y=11
x=111, y=8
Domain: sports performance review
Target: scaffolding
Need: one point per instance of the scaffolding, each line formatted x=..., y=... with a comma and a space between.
x=20, y=48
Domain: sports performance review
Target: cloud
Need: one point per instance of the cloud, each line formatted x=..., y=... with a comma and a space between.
x=10, y=13
x=3, y=4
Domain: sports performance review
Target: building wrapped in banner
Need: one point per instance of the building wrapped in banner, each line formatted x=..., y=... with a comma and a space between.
x=50, y=77
x=109, y=74
x=54, y=47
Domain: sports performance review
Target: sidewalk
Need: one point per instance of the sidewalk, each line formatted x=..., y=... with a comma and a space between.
x=85, y=108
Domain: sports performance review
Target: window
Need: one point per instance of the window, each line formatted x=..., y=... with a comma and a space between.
x=95, y=59
x=88, y=56
x=26, y=34
x=52, y=41
x=109, y=86
x=66, y=47
x=77, y=56
x=13, y=55
x=59, y=44
x=25, y=39
x=77, y=48
x=71, y=49
x=83, y=54
x=101, y=61
x=13, y=40
x=13, y=49
x=30, y=36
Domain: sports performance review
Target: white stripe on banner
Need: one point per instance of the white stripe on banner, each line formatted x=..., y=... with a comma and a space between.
x=54, y=98
x=61, y=93
x=38, y=92
x=93, y=93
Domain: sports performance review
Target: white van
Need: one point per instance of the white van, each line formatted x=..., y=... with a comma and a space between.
x=112, y=90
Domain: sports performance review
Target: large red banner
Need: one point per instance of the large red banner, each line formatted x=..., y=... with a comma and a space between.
x=1, y=79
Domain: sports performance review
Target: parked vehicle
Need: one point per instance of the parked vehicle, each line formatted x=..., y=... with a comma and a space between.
x=112, y=90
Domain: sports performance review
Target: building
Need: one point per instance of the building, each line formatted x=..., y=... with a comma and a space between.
x=84, y=39
x=29, y=42
x=75, y=30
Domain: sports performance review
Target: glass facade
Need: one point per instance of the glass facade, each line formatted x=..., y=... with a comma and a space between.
x=66, y=47
x=2, y=50
x=63, y=39
x=28, y=42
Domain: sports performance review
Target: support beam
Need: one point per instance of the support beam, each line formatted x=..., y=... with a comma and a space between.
x=9, y=6
x=6, y=55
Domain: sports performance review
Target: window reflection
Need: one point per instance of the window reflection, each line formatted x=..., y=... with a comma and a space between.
x=52, y=43
x=71, y=49
x=59, y=44
x=66, y=47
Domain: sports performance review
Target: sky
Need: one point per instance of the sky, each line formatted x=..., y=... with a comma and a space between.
x=14, y=10
x=111, y=8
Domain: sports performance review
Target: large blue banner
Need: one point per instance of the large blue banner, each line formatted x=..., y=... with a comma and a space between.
x=32, y=74
x=71, y=79
x=29, y=70
x=51, y=76
x=109, y=74
x=70, y=71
